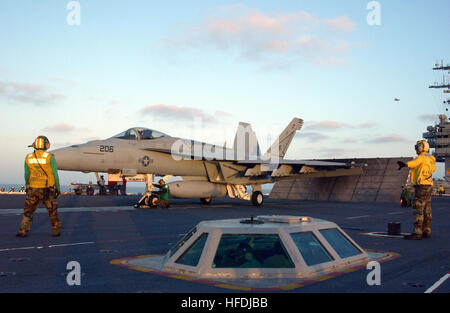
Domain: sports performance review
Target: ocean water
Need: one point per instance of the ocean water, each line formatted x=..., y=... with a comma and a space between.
x=131, y=188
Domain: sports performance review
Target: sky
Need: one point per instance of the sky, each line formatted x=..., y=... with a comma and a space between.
x=82, y=70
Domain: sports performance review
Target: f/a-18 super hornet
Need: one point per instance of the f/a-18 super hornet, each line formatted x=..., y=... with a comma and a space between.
x=207, y=170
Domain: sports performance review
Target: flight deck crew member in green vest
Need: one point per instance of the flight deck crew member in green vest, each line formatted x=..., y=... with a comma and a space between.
x=164, y=194
x=42, y=183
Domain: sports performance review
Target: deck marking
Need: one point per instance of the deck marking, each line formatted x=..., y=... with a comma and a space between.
x=291, y=286
x=234, y=287
x=13, y=249
x=355, y=217
x=86, y=243
x=438, y=283
x=384, y=234
x=182, y=277
x=72, y=244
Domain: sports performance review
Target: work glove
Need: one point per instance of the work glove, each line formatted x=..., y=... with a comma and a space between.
x=57, y=193
x=401, y=165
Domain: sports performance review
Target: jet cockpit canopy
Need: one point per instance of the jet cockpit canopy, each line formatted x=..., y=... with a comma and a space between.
x=140, y=133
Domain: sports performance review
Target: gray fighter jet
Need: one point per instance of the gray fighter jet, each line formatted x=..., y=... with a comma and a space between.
x=208, y=171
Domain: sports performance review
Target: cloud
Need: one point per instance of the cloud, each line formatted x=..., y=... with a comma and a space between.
x=332, y=152
x=60, y=144
x=428, y=117
x=388, y=139
x=352, y=140
x=177, y=112
x=63, y=128
x=340, y=24
x=335, y=125
x=312, y=136
x=326, y=125
x=223, y=114
x=254, y=35
x=25, y=93
x=367, y=125
x=63, y=144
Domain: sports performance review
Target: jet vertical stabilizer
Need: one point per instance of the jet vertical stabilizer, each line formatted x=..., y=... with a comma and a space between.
x=246, y=144
x=280, y=146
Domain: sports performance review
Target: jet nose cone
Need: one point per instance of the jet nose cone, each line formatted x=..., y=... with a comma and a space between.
x=67, y=158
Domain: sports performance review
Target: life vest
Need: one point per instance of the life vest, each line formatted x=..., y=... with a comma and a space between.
x=165, y=193
x=422, y=169
x=41, y=174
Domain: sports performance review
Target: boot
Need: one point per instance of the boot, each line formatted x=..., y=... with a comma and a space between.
x=21, y=233
x=25, y=227
x=56, y=232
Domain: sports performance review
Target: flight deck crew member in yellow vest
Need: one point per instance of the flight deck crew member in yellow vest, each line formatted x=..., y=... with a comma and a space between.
x=42, y=183
x=422, y=169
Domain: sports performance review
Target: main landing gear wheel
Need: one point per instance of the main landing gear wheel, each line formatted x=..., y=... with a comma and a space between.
x=257, y=198
x=205, y=200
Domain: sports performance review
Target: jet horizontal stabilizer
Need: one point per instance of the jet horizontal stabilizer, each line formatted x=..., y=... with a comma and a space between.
x=300, y=168
x=323, y=173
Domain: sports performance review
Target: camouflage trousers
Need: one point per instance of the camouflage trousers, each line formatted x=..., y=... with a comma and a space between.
x=422, y=209
x=34, y=197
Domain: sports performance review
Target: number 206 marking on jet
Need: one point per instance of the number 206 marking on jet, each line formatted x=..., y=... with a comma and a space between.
x=106, y=148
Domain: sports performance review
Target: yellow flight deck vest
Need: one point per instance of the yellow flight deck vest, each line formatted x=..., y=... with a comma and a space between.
x=422, y=168
x=38, y=162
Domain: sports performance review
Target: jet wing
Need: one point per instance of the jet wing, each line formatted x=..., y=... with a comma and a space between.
x=317, y=163
x=291, y=169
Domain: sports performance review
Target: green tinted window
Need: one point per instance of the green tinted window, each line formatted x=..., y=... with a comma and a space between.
x=343, y=247
x=251, y=251
x=311, y=249
x=192, y=255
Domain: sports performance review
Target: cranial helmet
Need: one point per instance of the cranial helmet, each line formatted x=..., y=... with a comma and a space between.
x=422, y=146
x=40, y=143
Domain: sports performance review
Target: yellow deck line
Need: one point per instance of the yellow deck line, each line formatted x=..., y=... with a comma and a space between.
x=183, y=277
x=291, y=286
x=323, y=277
x=227, y=286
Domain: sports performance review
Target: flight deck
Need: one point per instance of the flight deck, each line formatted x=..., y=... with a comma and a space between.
x=102, y=238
